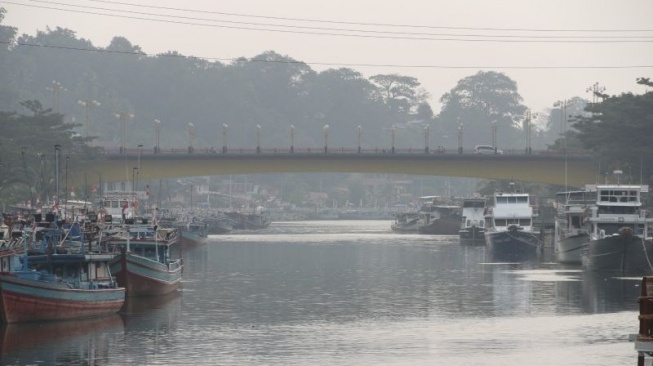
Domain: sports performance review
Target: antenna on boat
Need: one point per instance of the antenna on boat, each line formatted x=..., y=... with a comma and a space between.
x=618, y=173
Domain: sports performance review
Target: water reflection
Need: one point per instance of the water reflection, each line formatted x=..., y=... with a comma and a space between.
x=150, y=328
x=355, y=293
x=75, y=342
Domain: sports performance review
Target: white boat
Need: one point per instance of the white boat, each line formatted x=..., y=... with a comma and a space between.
x=472, y=225
x=510, y=233
x=620, y=240
x=572, y=227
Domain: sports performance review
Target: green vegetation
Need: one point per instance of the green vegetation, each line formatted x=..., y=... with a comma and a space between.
x=276, y=92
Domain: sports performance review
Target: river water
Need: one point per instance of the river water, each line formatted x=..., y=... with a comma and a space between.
x=352, y=293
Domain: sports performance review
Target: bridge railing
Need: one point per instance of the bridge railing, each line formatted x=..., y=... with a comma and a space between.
x=329, y=150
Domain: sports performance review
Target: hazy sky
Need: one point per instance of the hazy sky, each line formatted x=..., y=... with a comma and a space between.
x=435, y=41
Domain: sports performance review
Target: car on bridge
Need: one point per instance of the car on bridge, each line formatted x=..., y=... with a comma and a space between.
x=487, y=149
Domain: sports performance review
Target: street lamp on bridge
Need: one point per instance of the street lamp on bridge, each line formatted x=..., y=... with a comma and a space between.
x=528, y=123
x=292, y=139
x=494, y=135
x=460, y=137
x=258, y=139
x=426, y=139
x=157, y=136
x=326, y=138
x=191, y=137
x=123, y=116
x=225, y=127
x=359, y=131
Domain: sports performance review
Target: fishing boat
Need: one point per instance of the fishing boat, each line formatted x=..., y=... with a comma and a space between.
x=438, y=216
x=572, y=228
x=406, y=222
x=620, y=240
x=147, y=263
x=509, y=231
x=472, y=224
x=59, y=284
x=218, y=224
x=193, y=233
x=248, y=221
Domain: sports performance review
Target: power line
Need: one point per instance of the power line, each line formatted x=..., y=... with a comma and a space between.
x=377, y=34
x=370, y=24
x=513, y=67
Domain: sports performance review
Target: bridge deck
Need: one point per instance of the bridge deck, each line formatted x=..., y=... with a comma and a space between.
x=575, y=170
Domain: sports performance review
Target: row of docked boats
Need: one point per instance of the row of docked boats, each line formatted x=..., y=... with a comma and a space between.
x=605, y=228
x=58, y=270
x=504, y=222
x=602, y=227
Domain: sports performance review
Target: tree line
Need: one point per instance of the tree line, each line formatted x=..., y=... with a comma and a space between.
x=62, y=89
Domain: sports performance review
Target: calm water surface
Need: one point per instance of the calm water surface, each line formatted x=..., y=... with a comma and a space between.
x=352, y=293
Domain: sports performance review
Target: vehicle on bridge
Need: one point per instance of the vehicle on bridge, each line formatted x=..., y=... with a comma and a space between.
x=487, y=149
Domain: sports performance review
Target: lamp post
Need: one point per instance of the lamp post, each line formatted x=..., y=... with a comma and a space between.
x=87, y=104
x=258, y=139
x=123, y=116
x=426, y=139
x=191, y=136
x=394, y=133
x=326, y=139
x=292, y=139
x=596, y=90
x=494, y=135
x=359, y=132
x=527, y=127
x=157, y=136
x=563, y=105
x=225, y=127
x=460, y=137
x=56, y=89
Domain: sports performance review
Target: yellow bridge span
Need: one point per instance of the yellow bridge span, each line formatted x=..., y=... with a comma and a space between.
x=572, y=170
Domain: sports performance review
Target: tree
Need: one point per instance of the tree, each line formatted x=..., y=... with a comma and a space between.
x=401, y=94
x=619, y=130
x=477, y=101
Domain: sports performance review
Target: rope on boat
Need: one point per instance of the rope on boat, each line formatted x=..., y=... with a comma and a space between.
x=646, y=254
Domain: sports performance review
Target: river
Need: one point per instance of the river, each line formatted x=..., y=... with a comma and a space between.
x=352, y=293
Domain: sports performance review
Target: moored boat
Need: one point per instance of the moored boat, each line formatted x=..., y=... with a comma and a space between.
x=147, y=264
x=59, y=286
x=438, y=216
x=620, y=240
x=193, y=233
x=406, y=222
x=509, y=231
x=572, y=227
x=472, y=226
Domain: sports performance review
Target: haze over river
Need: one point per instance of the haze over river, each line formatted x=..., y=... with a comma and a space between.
x=352, y=293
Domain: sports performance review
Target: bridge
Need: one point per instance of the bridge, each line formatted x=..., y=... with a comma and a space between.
x=574, y=170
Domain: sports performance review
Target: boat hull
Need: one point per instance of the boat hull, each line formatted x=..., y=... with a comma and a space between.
x=513, y=245
x=145, y=277
x=627, y=254
x=442, y=226
x=473, y=235
x=569, y=249
x=26, y=300
x=192, y=239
